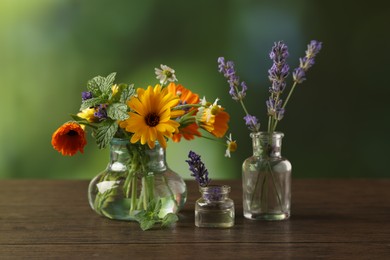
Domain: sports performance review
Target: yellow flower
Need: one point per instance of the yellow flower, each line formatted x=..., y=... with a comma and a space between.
x=114, y=89
x=88, y=114
x=151, y=116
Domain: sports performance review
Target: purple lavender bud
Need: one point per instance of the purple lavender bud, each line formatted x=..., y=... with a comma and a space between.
x=279, y=52
x=313, y=48
x=198, y=169
x=252, y=123
x=101, y=112
x=274, y=108
x=299, y=75
x=244, y=88
x=86, y=95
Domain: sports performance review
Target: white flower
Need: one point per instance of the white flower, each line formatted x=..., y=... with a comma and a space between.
x=165, y=74
x=231, y=145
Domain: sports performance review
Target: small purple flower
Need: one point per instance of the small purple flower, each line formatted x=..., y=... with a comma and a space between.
x=313, y=48
x=252, y=123
x=101, y=112
x=229, y=72
x=86, y=95
x=198, y=169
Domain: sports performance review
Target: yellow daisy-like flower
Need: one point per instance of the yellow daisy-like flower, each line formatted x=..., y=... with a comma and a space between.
x=88, y=114
x=151, y=116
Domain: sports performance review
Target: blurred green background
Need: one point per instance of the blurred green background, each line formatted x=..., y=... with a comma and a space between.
x=336, y=124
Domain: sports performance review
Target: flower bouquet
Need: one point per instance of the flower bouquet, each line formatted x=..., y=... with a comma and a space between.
x=136, y=123
x=266, y=175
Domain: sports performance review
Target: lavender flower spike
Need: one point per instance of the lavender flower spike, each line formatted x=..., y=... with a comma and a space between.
x=280, y=69
x=198, y=169
x=229, y=72
x=313, y=48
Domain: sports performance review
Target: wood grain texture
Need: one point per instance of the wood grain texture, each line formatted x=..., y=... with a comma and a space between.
x=330, y=219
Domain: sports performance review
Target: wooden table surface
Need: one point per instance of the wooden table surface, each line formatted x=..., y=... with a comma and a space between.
x=330, y=219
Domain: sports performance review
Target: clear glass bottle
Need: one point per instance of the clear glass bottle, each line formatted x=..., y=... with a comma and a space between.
x=135, y=178
x=214, y=209
x=266, y=179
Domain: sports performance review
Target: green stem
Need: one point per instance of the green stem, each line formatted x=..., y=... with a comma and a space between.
x=170, y=192
x=285, y=102
x=274, y=183
x=133, y=193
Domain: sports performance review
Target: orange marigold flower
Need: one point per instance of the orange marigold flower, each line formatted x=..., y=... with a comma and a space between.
x=69, y=138
x=186, y=97
x=189, y=132
x=214, y=119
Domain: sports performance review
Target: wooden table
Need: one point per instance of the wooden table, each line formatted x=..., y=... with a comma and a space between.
x=330, y=219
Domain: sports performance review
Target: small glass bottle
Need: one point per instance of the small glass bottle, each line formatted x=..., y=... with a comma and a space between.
x=266, y=179
x=214, y=209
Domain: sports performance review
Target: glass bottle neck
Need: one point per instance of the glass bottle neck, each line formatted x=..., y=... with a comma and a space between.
x=266, y=144
x=215, y=192
x=123, y=154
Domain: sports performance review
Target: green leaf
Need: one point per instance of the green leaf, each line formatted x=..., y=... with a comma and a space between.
x=127, y=92
x=92, y=102
x=107, y=83
x=147, y=224
x=101, y=85
x=117, y=111
x=93, y=85
x=105, y=132
x=157, y=207
x=83, y=121
x=169, y=219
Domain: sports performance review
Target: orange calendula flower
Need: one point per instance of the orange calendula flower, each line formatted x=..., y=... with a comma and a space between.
x=214, y=119
x=151, y=116
x=69, y=138
x=186, y=96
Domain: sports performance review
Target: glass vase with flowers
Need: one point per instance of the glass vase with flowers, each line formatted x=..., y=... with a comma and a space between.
x=136, y=123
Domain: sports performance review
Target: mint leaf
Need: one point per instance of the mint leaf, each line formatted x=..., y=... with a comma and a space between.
x=92, y=102
x=157, y=208
x=101, y=85
x=108, y=81
x=127, y=92
x=117, y=111
x=93, y=85
x=169, y=219
x=147, y=224
x=105, y=132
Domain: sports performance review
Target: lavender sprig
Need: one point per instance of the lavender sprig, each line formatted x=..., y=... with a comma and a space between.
x=277, y=74
x=229, y=72
x=313, y=48
x=198, y=169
